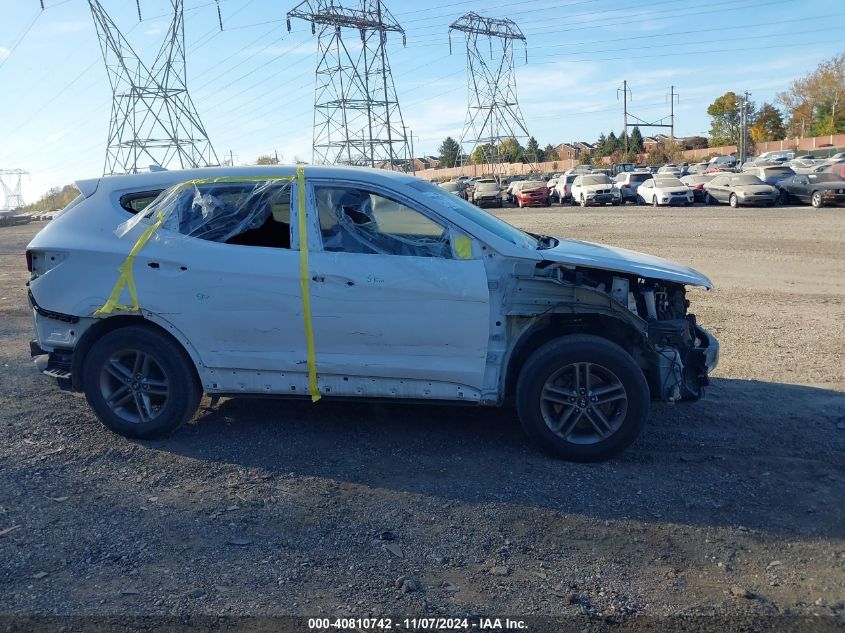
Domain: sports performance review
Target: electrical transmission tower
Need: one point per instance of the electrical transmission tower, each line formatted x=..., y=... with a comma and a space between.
x=357, y=120
x=493, y=116
x=153, y=120
x=12, y=187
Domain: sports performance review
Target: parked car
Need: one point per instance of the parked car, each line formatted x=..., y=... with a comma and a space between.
x=487, y=192
x=595, y=189
x=739, y=189
x=629, y=182
x=563, y=188
x=818, y=190
x=697, y=168
x=455, y=187
x=696, y=183
x=533, y=193
x=837, y=167
x=723, y=161
x=396, y=289
x=670, y=170
x=550, y=185
x=771, y=174
x=512, y=189
x=665, y=189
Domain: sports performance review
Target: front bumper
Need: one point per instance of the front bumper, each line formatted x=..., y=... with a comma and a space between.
x=758, y=199
x=602, y=198
x=829, y=197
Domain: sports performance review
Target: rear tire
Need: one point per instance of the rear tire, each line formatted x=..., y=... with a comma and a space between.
x=574, y=417
x=139, y=383
x=708, y=199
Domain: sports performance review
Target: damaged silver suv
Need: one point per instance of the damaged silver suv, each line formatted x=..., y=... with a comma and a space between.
x=152, y=289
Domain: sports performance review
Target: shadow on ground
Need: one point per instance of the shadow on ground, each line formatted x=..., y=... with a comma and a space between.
x=761, y=455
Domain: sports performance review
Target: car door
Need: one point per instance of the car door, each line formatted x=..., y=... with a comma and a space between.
x=237, y=303
x=801, y=188
x=398, y=296
x=718, y=189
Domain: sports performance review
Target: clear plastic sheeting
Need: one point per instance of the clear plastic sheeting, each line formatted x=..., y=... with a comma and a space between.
x=221, y=209
x=353, y=220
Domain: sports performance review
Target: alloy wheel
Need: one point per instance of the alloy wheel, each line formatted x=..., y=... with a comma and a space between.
x=583, y=403
x=134, y=386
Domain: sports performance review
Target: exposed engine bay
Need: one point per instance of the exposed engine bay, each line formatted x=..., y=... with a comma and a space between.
x=676, y=354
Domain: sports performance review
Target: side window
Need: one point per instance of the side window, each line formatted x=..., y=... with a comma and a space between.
x=243, y=213
x=137, y=201
x=355, y=220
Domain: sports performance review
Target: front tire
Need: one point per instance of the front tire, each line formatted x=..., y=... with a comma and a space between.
x=816, y=200
x=583, y=201
x=139, y=383
x=733, y=201
x=654, y=201
x=582, y=398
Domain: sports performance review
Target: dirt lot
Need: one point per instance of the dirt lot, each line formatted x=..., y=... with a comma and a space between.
x=734, y=505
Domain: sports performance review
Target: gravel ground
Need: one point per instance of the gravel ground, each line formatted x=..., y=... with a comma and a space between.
x=732, y=506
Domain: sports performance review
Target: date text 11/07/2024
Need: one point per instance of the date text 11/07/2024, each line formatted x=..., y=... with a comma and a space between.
x=417, y=624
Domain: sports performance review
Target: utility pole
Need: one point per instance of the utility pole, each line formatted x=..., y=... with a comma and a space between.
x=357, y=120
x=625, y=92
x=672, y=96
x=743, y=129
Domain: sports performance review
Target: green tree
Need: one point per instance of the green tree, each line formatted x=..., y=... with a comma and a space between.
x=511, y=151
x=533, y=152
x=815, y=103
x=481, y=154
x=636, y=143
x=266, y=159
x=726, y=114
x=450, y=152
x=585, y=158
x=550, y=153
x=768, y=125
x=610, y=145
x=600, y=143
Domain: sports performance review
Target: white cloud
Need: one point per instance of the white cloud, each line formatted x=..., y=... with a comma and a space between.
x=4, y=52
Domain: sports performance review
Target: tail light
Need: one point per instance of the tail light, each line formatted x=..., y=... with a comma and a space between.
x=701, y=186
x=29, y=261
x=626, y=186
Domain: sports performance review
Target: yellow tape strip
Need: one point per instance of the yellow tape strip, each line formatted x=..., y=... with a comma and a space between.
x=127, y=278
x=304, y=281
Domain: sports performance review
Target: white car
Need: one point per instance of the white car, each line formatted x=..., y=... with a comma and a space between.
x=329, y=282
x=563, y=188
x=595, y=189
x=665, y=190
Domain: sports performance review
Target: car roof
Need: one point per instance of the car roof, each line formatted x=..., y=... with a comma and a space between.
x=167, y=178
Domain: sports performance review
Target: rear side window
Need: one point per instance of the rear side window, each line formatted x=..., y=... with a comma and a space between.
x=250, y=213
x=138, y=201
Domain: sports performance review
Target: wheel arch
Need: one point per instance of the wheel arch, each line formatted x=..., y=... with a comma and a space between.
x=541, y=330
x=110, y=324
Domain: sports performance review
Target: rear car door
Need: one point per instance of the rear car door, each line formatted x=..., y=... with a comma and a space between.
x=398, y=295
x=229, y=284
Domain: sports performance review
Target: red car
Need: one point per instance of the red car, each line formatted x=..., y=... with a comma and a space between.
x=533, y=193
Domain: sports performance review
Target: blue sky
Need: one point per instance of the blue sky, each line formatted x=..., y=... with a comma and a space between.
x=253, y=84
